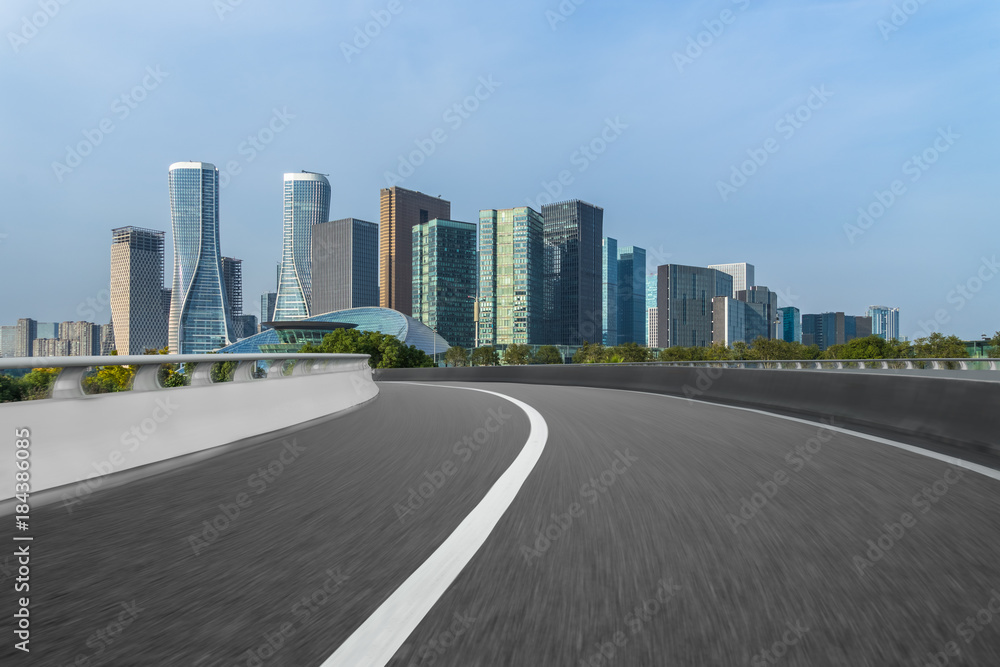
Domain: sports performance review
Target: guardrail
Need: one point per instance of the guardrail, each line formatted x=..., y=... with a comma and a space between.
x=964, y=364
x=79, y=440
x=69, y=383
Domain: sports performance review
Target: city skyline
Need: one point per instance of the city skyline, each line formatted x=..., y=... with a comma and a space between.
x=678, y=138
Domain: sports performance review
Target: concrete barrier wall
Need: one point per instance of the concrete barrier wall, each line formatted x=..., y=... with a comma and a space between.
x=962, y=413
x=73, y=440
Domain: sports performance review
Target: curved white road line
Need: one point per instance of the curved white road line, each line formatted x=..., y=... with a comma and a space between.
x=960, y=463
x=379, y=638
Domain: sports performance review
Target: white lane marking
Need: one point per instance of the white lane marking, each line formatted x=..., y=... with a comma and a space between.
x=379, y=638
x=968, y=465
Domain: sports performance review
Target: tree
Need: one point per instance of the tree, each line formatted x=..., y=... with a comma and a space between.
x=994, y=344
x=516, y=355
x=630, y=353
x=384, y=351
x=485, y=356
x=870, y=347
x=589, y=354
x=456, y=356
x=10, y=389
x=38, y=383
x=547, y=354
x=110, y=379
x=938, y=346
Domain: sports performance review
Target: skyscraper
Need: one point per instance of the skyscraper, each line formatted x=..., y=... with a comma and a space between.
x=743, y=275
x=401, y=209
x=885, y=321
x=684, y=297
x=444, y=279
x=344, y=265
x=765, y=302
x=652, y=325
x=829, y=329
x=632, y=295
x=198, y=308
x=791, y=324
x=232, y=281
x=137, y=290
x=735, y=320
x=306, y=203
x=573, y=275
x=8, y=341
x=27, y=332
x=267, y=301
x=511, y=258
x=609, y=292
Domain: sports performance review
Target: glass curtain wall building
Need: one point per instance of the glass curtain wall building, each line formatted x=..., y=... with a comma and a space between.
x=344, y=265
x=199, y=314
x=137, y=290
x=791, y=324
x=511, y=257
x=684, y=303
x=306, y=203
x=573, y=276
x=609, y=292
x=742, y=273
x=444, y=279
x=399, y=210
x=885, y=322
x=632, y=295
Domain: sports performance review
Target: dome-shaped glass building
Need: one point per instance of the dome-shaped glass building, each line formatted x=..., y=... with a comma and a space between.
x=382, y=320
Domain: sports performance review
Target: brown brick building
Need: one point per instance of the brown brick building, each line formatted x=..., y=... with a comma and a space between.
x=400, y=209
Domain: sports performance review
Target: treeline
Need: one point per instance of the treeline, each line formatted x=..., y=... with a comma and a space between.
x=935, y=346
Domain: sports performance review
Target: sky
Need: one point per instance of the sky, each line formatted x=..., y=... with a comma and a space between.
x=845, y=148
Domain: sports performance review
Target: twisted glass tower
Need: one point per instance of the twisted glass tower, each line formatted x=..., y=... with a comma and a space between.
x=307, y=203
x=199, y=321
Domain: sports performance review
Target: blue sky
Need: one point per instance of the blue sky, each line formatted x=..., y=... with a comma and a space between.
x=665, y=123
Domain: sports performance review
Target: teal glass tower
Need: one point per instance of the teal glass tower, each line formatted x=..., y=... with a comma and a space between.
x=511, y=270
x=199, y=319
x=609, y=292
x=306, y=203
x=444, y=279
x=632, y=295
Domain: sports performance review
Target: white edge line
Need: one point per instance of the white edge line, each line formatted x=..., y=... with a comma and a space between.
x=968, y=465
x=378, y=639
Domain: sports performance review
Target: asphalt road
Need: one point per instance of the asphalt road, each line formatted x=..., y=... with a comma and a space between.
x=627, y=538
